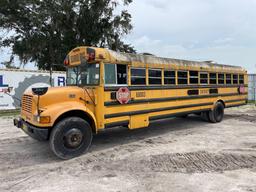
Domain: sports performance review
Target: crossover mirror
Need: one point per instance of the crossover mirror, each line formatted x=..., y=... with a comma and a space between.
x=40, y=91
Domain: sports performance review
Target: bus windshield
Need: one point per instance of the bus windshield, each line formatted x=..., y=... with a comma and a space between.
x=86, y=74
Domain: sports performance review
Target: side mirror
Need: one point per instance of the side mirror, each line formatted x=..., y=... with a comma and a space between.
x=40, y=91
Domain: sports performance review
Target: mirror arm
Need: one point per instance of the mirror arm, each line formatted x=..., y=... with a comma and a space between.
x=90, y=96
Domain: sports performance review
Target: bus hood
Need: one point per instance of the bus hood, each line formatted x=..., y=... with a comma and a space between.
x=58, y=95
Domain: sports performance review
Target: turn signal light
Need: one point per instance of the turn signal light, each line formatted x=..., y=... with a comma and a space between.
x=44, y=119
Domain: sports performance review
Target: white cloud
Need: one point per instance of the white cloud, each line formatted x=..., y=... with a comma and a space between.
x=221, y=53
x=218, y=30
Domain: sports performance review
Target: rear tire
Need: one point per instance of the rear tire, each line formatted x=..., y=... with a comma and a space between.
x=216, y=115
x=205, y=116
x=70, y=138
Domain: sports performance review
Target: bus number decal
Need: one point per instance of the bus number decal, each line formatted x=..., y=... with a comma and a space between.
x=141, y=94
x=204, y=92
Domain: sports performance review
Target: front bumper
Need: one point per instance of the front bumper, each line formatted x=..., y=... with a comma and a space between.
x=40, y=134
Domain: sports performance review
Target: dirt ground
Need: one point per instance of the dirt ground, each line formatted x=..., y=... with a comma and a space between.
x=171, y=155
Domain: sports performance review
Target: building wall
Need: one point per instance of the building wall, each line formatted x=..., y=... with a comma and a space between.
x=252, y=87
x=13, y=83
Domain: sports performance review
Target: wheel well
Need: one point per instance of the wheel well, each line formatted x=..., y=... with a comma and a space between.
x=223, y=103
x=77, y=113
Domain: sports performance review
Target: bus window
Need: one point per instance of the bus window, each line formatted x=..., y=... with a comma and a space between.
x=115, y=74
x=138, y=76
x=110, y=74
x=155, y=76
x=193, y=77
x=228, y=79
x=241, y=79
x=221, y=78
x=204, y=78
x=235, y=79
x=169, y=77
x=121, y=74
x=213, y=78
x=182, y=77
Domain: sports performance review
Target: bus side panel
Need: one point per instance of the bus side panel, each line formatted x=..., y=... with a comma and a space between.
x=160, y=103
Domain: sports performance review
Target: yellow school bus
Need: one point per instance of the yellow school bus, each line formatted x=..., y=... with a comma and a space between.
x=107, y=89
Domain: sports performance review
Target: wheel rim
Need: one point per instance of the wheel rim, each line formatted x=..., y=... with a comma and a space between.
x=73, y=138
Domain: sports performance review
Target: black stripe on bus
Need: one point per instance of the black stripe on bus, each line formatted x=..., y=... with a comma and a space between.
x=234, y=101
x=177, y=114
x=116, y=124
x=159, y=117
x=155, y=110
x=136, y=88
x=114, y=103
x=126, y=123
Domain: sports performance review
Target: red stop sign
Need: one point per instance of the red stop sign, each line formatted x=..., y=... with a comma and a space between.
x=242, y=89
x=123, y=95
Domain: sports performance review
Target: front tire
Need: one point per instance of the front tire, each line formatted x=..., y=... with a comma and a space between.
x=70, y=138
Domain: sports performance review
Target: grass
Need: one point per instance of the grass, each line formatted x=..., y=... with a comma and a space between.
x=251, y=102
x=6, y=113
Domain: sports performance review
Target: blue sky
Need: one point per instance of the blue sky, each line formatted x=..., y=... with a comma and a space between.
x=220, y=30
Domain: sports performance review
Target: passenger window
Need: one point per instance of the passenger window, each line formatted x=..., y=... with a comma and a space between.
x=213, y=78
x=235, y=79
x=221, y=78
x=203, y=78
x=169, y=77
x=182, y=77
x=115, y=74
x=228, y=79
x=193, y=77
x=121, y=74
x=110, y=74
x=155, y=76
x=138, y=76
x=241, y=79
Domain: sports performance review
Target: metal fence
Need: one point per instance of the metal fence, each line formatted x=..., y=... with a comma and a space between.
x=252, y=87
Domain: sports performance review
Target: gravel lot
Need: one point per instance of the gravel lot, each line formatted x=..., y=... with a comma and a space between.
x=171, y=155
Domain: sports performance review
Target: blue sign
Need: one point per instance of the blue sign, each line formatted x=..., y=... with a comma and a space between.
x=2, y=82
x=61, y=81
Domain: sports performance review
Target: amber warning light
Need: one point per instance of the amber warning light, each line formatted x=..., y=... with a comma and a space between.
x=91, y=54
x=66, y=61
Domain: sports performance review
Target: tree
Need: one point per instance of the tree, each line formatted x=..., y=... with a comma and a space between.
x=9, y=64
x=43, y=31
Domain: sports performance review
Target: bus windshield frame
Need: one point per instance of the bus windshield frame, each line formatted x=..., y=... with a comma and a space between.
x=84, y=75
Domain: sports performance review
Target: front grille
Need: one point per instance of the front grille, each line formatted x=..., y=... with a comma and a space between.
x=27, y=103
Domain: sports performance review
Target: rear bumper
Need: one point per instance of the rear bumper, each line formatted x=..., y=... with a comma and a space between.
x=40, y=134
